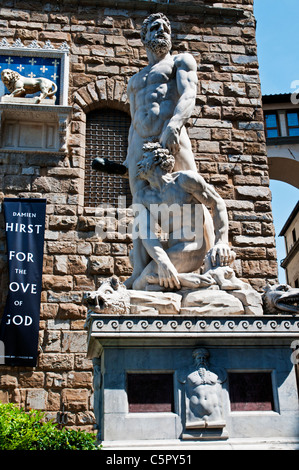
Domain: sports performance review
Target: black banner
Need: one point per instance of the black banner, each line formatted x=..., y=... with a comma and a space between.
x=24, y=227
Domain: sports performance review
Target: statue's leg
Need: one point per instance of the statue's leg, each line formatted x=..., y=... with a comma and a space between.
x=185, y=260
x=187, y=257
x=139, y=259
x=141, y=281
x=43, y=94
x=209, y=237
x=20, y=92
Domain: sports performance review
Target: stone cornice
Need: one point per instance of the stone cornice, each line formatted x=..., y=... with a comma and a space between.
x=166, y=330
x=177, y=324
x=170, y=8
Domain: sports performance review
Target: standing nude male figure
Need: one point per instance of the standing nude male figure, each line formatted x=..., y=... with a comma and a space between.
x=162, y=98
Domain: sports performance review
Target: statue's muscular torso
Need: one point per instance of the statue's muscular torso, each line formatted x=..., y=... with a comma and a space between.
x=155, y=96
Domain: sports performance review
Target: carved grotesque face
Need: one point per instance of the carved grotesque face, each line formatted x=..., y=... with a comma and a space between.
x=145, y=165
x=158, y=36
x=109, y=298
x=201, y=356
x=281, y=298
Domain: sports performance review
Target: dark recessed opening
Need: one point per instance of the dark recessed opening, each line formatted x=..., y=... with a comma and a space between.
x=150, y=392
x=251, y=391
x=107, y=133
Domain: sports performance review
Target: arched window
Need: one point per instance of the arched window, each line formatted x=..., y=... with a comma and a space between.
x=107, y=137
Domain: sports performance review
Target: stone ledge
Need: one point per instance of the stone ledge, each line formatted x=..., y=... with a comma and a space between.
x=17, y=110
x=175, y=8
x=230, y=444
x=27, y=101
x=51, y=122
x=165, y=330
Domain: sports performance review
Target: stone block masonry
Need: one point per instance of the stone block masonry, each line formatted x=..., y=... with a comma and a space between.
x=228, y=142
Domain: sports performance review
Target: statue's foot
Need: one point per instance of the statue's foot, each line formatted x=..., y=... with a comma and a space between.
x=225, y=277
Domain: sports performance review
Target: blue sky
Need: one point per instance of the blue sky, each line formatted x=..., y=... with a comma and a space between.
x=278, y=53
x=277, y=40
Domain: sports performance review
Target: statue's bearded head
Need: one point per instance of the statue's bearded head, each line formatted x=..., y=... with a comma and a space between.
x=201, y=356
x=156, y=33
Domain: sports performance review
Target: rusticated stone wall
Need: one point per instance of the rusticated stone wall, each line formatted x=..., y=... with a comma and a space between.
x=228, y=141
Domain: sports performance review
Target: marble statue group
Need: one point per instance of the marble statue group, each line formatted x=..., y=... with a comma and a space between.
x=162, y=171
x=193, y=253
x=182, y=260
x=162, y=167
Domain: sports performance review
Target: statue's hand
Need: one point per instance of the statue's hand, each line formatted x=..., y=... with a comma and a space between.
x=168, y=276
x=222, y=253
x=170, y=139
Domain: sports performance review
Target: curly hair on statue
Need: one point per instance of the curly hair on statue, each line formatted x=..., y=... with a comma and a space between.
x=161, y=156
x=149, y=20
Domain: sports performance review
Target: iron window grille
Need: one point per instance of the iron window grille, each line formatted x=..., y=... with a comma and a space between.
x=107, y=133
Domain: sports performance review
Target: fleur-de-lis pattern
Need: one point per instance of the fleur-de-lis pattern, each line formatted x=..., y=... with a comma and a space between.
x=32, y=67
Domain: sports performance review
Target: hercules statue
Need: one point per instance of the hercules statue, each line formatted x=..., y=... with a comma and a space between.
x=162, y=98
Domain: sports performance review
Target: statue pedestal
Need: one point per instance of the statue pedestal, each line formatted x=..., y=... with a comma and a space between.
x=28, y=101
x=205, y=430
x=141, y=366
